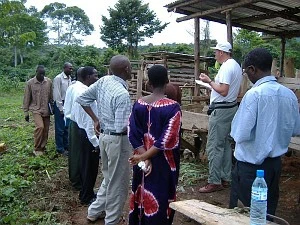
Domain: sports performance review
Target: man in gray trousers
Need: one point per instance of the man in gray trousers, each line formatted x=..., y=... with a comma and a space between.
x=114, y=107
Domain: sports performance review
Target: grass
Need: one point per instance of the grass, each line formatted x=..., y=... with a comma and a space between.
x=36, y=190
x=20, y=171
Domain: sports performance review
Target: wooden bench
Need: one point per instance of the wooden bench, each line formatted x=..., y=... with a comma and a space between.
x=198, y=123
x=208, y=214
x=291, y=83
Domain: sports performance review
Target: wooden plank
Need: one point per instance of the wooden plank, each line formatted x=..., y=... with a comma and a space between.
x=295, y=143
x=289, y=80
x=191, y=120
x=208, y=214
x=189, y=107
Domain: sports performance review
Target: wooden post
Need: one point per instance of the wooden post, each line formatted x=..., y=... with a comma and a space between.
x=229, y=27
x=289, y=67
x=196, y=52
x=139, y=81
x=282, y=56
x=274, y=67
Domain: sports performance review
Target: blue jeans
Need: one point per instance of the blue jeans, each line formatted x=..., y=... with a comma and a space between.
x=61, y=131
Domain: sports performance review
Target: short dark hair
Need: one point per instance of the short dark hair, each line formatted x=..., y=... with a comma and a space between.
x=40, y=67
x=67, y=64
x=87, y=70
x=158, y=76
x=261, y=58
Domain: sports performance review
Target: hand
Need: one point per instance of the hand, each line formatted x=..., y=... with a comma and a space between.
x=97, y=127
x=27, y=118
x=97, y=149
x=148, y=166
x=204, y=78
x=135, y=159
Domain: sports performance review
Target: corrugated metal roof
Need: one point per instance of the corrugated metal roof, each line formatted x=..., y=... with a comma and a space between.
x=276, y=17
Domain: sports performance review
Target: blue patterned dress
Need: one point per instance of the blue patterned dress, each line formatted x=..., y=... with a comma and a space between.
x=155, y=124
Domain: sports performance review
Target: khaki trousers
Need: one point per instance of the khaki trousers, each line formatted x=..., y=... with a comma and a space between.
x=218, y=145
x=41, y=131
x=113, y=192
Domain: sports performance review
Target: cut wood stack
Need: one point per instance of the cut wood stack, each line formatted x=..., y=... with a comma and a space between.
x=180, y=69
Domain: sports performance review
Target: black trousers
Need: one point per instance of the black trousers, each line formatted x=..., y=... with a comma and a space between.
x=74, y=155
x=243, y=176
x=89, y=163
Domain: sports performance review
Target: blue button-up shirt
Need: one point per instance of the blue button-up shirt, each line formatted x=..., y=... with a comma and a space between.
x=266, y=120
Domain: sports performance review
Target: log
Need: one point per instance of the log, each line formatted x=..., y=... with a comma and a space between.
x=208, y=214
x=295, y=143
x=191, y=120
x=289, y=67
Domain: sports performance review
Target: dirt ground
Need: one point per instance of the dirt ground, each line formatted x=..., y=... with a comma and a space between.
x=71, y=212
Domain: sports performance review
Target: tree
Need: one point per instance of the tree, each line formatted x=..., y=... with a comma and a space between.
x=206, y=39
x=19, y=29
x=244, y=42
x=130, y=23
x=67, y=22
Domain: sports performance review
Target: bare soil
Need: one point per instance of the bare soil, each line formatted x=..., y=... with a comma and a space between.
x=64, y=200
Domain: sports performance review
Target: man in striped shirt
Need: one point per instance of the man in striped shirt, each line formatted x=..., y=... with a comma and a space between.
x=114, y=107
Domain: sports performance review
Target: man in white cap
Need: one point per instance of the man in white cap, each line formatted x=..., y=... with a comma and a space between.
x=222, y=108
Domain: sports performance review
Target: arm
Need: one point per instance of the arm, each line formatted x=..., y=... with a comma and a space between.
x=297, y=126
x=51, y=93
x=57, y=93
x=26, y=101
x=244, y=121
x=95, y=119
x=135, y=131
x=170, y=134
x=221, y=88
x=85, y=100
x=123, y=109
x=89, y=127
x=67, y=107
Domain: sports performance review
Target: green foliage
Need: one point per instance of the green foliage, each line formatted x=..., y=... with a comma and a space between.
x=244, y=42
x=129, y=23
x=67, y=22
x=191, y=173
x=19, y=29
x=8, y=84
x=20, y=171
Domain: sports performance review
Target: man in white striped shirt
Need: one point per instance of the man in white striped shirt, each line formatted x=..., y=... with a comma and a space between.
x=60, y=84
x=114, y=106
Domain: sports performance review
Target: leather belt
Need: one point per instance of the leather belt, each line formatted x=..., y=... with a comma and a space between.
x=220, y=105
x=113, y=133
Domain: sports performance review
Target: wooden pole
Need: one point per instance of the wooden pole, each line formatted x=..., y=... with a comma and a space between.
x=289, y=67
x=139, y=82
x=229, y=27
x=283, y=41
x=196, y=51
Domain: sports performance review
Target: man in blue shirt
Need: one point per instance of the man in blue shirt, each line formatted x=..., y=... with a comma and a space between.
x=262, y=128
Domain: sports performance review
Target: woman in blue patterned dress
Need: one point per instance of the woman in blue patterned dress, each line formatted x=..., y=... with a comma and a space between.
x=154, y=132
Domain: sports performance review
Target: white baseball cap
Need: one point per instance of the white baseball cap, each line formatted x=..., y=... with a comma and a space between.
x=223, y=46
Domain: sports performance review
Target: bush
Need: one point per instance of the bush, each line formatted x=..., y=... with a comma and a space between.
x=8, y=84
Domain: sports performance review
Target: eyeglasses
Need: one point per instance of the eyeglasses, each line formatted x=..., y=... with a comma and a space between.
x=246, y=70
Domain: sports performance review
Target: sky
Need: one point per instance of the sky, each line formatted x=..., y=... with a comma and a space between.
x=174, y=33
